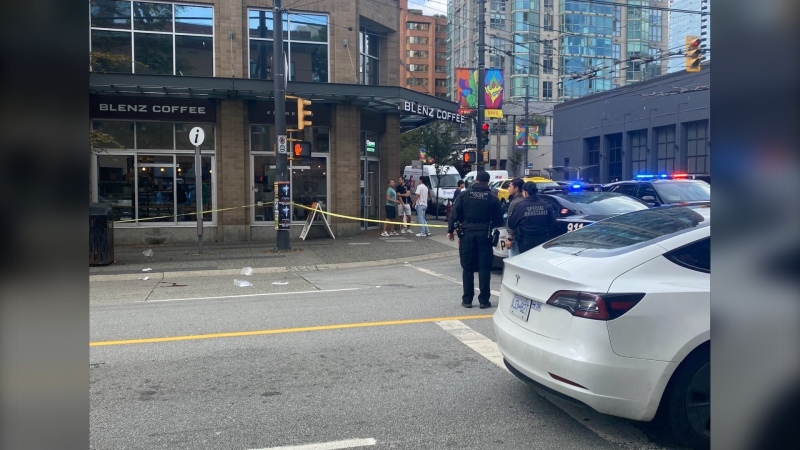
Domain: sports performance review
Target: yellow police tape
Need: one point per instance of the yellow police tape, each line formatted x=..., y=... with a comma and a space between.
x=295, y=204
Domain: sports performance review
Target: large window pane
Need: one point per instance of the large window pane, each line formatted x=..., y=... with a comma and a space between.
x=182, y=141
x=309, y=62
x=122, y=132
x=194, y=19
x=111, y=14
x=111, y=51
x=115, y=184
x=263, y=187
x=153, y=53
x=194, y=56
x=320, y=139
x=154, y=135
x=260, y=24
x=261, y=60
x=309, y=184
x=152, y=16
x=186, y=188
x=308, y=27
x=156, y=194
x=260, y=139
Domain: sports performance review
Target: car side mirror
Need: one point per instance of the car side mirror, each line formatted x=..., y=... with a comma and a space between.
x=650, y=199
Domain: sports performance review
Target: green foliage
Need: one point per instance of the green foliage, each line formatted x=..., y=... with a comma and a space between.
x=99, y=141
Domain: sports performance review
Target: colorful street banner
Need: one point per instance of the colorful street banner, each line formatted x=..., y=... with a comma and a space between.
x=467, y=90
x=533, y=139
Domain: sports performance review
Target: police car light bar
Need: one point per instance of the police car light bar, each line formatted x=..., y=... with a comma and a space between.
x=576, y=186
x=680, y=175
x=644, y=175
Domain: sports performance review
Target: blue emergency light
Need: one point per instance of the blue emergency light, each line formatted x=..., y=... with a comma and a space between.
x=642, y=176
x=576, y=186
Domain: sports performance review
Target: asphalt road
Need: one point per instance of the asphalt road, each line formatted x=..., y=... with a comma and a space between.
x=376, y=357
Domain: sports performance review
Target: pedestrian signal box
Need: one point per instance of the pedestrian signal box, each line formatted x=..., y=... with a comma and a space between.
x=470, y=157
x=301, y=150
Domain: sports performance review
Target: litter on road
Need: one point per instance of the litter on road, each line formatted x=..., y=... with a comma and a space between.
x=147, y=270
x=145, y=278
x=280, y=283
x=242, y=283
x=148, y=252
x=247, y=271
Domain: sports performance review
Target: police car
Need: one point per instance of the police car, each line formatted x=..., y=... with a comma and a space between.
x=663, y=189
x=576, y=209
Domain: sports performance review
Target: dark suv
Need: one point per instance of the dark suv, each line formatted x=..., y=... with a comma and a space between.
x=660, y=192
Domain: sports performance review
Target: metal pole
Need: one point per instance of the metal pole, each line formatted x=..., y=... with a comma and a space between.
x=497, y=161
x=280, y=108
x=198, y=196
x=481, y=80
x=527, y=138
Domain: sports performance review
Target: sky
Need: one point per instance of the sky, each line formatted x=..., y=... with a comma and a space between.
x=429, y=7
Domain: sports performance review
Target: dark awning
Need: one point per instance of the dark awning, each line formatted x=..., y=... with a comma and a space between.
x=380, y=99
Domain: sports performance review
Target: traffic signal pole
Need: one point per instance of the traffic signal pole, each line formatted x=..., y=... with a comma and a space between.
x=481, y=82
x=282, y=163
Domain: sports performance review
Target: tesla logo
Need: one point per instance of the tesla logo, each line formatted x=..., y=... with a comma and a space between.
x=517, y=281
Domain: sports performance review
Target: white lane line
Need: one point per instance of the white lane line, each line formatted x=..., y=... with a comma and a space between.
x=266, y=294
x=446, y=277
x=607, y=427
x=334, y=445
x=474, y=340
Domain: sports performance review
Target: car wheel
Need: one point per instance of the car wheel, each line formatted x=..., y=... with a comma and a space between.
x=688, y=407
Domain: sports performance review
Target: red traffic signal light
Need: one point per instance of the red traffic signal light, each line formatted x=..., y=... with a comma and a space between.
x=485, y=127
x=301, y=149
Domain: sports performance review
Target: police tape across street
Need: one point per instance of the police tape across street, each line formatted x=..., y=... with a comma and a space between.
x=360, y=219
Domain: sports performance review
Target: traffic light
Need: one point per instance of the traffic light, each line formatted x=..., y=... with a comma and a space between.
x=301, y=150
x=470, y=157
x=485, y=134
x=694, y=54
x=302, y=113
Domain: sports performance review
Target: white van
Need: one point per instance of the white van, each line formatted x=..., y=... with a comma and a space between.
x=443, y=185
x=493, y=174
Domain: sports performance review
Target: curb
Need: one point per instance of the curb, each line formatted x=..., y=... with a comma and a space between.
x=309, y=268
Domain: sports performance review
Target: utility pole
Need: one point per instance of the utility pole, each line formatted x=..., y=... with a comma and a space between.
x=283, y=233
x=481, y=82
x=527, y=137
x=497, y=161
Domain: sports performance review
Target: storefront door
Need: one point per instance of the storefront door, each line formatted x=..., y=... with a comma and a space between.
x=371, y=198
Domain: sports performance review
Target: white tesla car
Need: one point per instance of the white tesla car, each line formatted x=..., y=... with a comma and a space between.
x=616, y=315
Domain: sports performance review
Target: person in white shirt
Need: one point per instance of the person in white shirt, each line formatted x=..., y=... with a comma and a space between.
x=421, y=204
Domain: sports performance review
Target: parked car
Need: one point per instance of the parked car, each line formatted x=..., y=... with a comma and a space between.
x=542, y=184
x=575, y=210
x=661, y=190
x=617, y=316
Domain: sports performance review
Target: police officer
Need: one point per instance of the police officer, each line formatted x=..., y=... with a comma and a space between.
x=478, y=211
x=532, y=219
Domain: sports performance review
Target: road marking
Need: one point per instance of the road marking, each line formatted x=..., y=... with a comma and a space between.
x=445, y=277
x=607, y=427
x=284, y=330
x=248, y=295
x=474, y=340
x=335, y=445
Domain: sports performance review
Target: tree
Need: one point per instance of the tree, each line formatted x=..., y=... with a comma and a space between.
x=100, y=142
x=437, y=138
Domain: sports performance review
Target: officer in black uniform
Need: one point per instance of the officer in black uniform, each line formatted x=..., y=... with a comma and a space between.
x=533, y=219
x=478, y=212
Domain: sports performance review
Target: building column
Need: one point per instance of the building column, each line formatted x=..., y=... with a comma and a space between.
x=233, y=180
x=345, y=155
x=390, y=150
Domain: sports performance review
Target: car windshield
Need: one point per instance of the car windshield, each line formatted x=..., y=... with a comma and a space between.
x=627, y=230
x=542, y=185
x=446, y=181
x=603, y=203
x=685, y=191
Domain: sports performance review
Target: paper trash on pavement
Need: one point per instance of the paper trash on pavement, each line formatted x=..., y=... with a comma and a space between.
x=242, y=283
x=147, y=270
x=280, y=283
x=247, y=271
x=148, y=252
x=145, y=278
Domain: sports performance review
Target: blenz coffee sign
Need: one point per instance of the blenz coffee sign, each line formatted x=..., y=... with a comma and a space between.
x=430, y=111
x=152, y=108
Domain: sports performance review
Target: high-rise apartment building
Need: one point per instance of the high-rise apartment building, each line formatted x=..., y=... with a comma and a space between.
x=560, y=50
x=682, y=24
x=423, y=51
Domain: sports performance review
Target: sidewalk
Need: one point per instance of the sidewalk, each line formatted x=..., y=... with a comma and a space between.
x=366, y=249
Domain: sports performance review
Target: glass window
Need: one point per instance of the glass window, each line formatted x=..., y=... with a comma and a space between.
x=152, y=16
x=182, y=141
x=417, y=26
x=320, y=139
x=369, y=58
x=153, y=52
x=122, y=132
x=111, y=51
x=309, y=184
x=602, y=203
x=615, y=157
x=194, y=56
x=698, y=191
x=694, y=256
x=628, y=230
x=261, y=139
x=264, y=175
x=186, y=188
x=309, y=62
x=305, y=44
x=308, y=27
x=666, y=149
x=194, y=20
x=547, y=89
x=116, y=185
x=111, y=14
x=260, y=24
x=155, y=135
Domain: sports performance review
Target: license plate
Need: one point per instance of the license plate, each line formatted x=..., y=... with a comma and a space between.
x=521, y=307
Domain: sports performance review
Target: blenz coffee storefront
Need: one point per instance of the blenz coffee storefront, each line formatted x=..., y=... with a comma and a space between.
x=150, y=181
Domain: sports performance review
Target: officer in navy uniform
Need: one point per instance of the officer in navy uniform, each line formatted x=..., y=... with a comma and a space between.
x=478, y=212
x=533, y=219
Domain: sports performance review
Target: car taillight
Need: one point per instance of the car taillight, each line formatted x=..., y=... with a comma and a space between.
x=595, y=306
